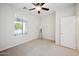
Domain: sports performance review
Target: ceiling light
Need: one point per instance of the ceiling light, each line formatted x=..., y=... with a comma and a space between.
x=38, y=8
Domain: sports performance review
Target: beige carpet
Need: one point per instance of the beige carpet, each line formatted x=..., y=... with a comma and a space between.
x=40, y=48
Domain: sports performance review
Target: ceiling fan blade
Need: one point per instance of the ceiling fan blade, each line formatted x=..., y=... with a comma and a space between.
x=32, y=9
x=34, y=4
x=37, y=3
x=45, y=8
x=42, y=4
x=38, y=12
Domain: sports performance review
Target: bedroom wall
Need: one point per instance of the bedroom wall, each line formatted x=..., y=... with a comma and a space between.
x=77, y=15
x=48, y=25
x=7, y=18
x=66, y=11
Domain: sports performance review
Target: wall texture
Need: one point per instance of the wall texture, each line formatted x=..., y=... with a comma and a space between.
x=48, y=25
x=48, y=22
x=66, y=11
x=7, y=18
x=77, y=14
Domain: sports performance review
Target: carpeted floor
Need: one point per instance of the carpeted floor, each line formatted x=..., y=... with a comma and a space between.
x=40, y=47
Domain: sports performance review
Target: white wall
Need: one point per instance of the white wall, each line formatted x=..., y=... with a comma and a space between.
x=77, y=14
x=7, y=18
x=48, y=25
x=66, y=11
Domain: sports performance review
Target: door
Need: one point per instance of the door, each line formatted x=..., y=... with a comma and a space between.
x=68, y=33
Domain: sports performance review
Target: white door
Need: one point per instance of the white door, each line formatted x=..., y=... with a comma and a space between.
x=67, y=29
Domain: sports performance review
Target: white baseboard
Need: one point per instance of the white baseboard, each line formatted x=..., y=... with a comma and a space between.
x=16, y=45
x=22, y=43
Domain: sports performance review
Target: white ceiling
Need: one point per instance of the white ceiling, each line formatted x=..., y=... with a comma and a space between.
x=51, y=6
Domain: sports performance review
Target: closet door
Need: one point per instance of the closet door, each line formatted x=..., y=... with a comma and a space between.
x=68, y=32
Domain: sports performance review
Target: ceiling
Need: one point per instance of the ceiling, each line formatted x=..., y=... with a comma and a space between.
x=51, y=6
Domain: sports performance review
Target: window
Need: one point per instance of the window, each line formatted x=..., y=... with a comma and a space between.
x=20, y=26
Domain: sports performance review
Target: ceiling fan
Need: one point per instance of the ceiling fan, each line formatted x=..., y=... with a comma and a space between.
x=39, y=7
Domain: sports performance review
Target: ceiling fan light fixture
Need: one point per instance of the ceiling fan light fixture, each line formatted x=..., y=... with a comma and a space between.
x=38, y=8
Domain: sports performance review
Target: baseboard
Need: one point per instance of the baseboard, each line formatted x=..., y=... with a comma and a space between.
x=49, y=38
x=23, y=43
x=52, y=40
x=16, y=45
